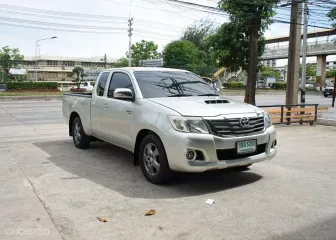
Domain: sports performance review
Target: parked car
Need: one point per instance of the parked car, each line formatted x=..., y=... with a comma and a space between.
x=328, y=91
x=172, y=120
x=87, y=85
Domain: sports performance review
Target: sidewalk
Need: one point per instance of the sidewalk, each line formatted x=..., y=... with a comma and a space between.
x=327, y=118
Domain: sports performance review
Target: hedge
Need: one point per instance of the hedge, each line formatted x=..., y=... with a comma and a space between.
x=233, y=85
x=279, y=85
x=32, y=85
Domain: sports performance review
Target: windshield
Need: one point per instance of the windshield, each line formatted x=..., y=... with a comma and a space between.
x=158, y=84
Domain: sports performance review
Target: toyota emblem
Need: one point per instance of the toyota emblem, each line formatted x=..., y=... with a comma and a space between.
x=244, y=122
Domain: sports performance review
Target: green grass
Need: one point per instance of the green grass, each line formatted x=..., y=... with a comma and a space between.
x=14, y=94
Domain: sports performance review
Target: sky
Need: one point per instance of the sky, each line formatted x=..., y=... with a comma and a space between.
x=152, y=20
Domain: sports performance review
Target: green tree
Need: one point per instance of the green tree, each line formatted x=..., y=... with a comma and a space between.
x=332, y=16
x=331, y=73
x=268, y=71
x=9, y=58
x=255, y=15
x=230, y=47
x=182, y=55
x=310, y=70
x=198, y=33
x=78, y=75
x=122, y=62
x=144, y=50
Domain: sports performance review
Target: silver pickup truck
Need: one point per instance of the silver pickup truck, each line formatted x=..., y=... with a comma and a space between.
x=171, y=120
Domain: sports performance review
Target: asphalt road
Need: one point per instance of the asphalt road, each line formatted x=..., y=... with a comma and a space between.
x=52, y=191
x=262, y=100
x=50, y=112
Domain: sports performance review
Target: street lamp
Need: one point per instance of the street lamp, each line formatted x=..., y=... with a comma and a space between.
x=38, y=40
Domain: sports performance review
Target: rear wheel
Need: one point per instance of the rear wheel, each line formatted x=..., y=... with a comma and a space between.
x=80, y=139
x=153, y=160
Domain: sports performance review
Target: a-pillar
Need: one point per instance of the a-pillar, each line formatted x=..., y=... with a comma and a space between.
x=321, y=65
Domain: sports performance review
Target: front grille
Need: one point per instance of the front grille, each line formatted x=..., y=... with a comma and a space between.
x=231, y=154
x=232, y=127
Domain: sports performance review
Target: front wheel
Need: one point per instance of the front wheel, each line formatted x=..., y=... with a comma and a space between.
x=153, y=160
x=80, y=139
x=325, y=95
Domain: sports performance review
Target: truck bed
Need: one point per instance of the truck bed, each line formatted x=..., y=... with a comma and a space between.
x=87, y=95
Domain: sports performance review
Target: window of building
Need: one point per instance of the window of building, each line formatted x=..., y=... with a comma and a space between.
x=69, y=64
x=86, y=64
x=102, y=83
x=52, y=63
x=119, y=80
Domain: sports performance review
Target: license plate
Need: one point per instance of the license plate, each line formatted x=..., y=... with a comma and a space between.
x=245, y=147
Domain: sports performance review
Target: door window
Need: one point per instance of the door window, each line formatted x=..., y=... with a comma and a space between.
x=119, y=80
x=102, y=83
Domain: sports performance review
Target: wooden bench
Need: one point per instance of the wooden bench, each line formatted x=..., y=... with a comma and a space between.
x=293, y=114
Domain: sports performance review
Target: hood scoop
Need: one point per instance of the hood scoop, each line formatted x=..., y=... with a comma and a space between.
x=217, y=101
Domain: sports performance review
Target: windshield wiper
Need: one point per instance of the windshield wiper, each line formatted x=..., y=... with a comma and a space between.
x=180, y=95
x=209, y=94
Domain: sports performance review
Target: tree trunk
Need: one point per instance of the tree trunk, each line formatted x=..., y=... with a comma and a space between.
x=253, y=62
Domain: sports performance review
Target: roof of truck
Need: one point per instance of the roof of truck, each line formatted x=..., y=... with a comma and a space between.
x=133, y=69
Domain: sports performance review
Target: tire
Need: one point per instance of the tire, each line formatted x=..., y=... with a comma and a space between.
x=153, y=160
x=242, y=168
x=325, y=95
x=80, y=139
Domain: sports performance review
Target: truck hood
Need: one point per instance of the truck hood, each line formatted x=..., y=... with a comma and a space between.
x=205, y=106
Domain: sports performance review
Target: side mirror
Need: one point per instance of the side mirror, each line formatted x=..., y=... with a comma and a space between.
x=123, y=94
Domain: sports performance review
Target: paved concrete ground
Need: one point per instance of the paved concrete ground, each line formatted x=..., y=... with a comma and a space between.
x=51, y=190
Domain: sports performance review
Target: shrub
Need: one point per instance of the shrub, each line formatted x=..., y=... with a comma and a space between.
x=233, y=85
x=32, y=86
x=279, y=85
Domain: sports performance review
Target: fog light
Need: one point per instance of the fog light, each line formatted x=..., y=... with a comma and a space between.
x=190, y=155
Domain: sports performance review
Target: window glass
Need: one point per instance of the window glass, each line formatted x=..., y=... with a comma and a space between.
x=119, y=80
x=102, y=83
x=158, y=84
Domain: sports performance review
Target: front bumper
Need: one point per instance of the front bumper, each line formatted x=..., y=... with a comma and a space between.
x=176, y=145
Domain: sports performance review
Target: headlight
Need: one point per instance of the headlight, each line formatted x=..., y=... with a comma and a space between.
x=190, y=125
x=268, y=121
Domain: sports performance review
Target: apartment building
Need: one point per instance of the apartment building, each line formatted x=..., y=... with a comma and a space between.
x=53, y=68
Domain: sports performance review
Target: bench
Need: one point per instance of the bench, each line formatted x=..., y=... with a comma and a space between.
x=287, y=114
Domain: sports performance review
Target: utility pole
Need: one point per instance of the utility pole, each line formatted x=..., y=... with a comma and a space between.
x=304, y=52
x=130, y=29
x=334, y=93
x=294, y=53
x=105, y=60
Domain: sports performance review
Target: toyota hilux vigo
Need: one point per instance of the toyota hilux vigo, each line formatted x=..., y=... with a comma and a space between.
x=171, y=120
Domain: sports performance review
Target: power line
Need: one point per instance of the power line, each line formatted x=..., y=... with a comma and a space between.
x=58, y=24
x=59, y=29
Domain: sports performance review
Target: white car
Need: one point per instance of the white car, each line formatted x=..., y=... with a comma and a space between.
x=172, y=120
x=87, y=85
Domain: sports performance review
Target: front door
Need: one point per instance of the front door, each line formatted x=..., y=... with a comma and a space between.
x=117, y=116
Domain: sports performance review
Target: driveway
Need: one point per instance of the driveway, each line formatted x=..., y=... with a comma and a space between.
x=51, y=190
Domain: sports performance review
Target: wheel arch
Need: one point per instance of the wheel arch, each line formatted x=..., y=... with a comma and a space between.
x=73, y=115
x=140, y=136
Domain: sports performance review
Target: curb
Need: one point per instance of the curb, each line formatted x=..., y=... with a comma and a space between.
x=39, y=97
x=326, y=122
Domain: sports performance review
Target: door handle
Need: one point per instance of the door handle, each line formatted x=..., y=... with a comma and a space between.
x=105, y=105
